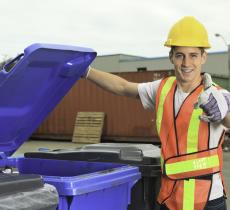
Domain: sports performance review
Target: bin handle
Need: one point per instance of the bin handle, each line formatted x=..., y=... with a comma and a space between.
x=131, y=154
x=8, y=66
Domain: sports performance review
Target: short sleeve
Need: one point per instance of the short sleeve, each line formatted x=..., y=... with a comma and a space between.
x=147, y=93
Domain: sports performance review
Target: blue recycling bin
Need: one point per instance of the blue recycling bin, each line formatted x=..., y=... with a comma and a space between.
x=83, y=185
x=31, y=85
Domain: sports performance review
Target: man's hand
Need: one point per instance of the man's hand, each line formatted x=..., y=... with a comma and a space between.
x=214, y=103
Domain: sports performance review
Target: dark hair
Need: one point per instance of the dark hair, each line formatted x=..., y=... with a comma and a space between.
x=202, y=49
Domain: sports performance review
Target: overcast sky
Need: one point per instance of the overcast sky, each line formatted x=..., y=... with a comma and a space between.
x=136, y=27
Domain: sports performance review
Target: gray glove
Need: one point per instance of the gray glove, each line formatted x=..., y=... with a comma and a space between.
x=215, y=103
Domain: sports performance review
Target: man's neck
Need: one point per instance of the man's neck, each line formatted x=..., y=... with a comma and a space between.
x=188, y=87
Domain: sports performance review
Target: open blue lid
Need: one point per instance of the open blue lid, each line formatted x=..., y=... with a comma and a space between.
x=35, y=84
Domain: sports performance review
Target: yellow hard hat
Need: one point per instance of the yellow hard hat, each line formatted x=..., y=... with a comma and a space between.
x=188, y=32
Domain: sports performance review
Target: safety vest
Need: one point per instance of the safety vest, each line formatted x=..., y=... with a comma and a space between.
x=187, y=162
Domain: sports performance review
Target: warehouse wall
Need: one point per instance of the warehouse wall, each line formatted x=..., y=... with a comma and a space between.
x=217, y=64
x=112, y=63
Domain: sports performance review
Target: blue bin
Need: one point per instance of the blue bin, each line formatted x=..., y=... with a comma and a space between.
x=32, y=85
x=85, y=185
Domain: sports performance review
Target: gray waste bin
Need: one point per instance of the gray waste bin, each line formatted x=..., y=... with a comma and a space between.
x=26, y=192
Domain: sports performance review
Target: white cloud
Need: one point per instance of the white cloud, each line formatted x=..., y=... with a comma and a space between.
x=121, y=26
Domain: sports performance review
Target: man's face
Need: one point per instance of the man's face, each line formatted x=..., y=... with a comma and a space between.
x=187, y=62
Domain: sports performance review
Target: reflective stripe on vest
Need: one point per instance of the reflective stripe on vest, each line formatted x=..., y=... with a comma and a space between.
x=193, y=131
x=164, y=92
x=180, y=169
x=192, y=146
x=189, y=195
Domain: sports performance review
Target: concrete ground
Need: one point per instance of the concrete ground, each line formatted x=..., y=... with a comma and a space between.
x=30, y=146
x=34, y=145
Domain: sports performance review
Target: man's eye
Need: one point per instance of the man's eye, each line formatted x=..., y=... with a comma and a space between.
x=179, y=56
x=194, y=56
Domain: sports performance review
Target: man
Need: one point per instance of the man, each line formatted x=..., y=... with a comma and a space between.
x=192, y=115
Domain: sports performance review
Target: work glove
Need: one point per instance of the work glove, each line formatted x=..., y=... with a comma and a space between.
x=86, y=73
x=214, y=103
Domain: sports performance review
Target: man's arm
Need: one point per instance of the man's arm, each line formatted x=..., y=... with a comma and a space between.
x=113, y=83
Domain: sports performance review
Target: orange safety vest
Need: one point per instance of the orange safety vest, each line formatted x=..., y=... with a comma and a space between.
x=187, y=162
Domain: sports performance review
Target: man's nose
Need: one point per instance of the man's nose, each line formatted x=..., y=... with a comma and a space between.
x=186, y=61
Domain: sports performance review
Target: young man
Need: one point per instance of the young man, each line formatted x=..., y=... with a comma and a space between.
x=192, y=115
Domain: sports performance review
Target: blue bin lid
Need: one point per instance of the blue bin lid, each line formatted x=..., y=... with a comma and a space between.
x=34, y=86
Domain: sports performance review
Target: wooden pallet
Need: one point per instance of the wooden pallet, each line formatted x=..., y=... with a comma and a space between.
x=88, y=127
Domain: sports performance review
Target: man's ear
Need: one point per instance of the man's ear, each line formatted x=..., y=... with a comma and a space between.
x=170, y=57
x=204, y=57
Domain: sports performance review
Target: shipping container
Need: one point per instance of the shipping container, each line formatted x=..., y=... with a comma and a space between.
x=125, y=117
